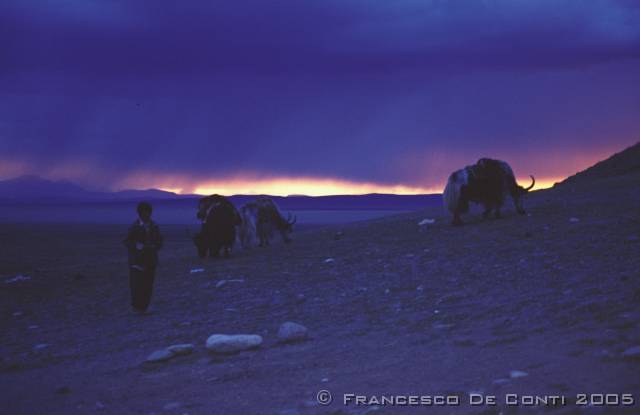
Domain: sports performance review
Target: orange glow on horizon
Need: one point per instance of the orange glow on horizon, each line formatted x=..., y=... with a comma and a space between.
x=284, y=186
x=319, y=187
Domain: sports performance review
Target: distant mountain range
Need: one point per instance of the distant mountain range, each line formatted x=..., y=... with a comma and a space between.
x=33, y=190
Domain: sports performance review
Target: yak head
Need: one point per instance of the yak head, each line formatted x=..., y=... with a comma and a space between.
x=520, y=194
x=285, y=226
x=205, y=205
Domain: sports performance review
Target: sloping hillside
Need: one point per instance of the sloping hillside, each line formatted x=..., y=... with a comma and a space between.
x=622, y=163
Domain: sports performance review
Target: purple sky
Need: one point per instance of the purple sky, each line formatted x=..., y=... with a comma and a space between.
x=190, y=95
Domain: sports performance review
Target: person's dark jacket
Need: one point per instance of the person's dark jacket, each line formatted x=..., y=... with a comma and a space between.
x=143, y=242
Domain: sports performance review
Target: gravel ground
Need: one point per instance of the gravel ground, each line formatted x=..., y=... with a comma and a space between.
x=546, y=304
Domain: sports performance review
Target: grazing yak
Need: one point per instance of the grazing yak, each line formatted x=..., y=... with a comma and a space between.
x=219, y=220
x=487, y=182
x=261, y=218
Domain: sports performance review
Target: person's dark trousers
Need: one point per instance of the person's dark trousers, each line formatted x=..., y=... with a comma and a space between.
x=141, y=283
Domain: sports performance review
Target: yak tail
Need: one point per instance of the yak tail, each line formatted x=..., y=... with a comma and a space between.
x=451, y=194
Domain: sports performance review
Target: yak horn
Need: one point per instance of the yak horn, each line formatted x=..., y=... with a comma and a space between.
x=533, y=182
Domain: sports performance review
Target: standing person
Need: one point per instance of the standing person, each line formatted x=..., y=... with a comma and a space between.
x=143, y=242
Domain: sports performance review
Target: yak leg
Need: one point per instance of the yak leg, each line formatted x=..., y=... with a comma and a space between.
x=457, y=221
x=487, y=210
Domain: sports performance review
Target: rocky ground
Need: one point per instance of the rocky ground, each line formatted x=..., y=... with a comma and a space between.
x=546, y=304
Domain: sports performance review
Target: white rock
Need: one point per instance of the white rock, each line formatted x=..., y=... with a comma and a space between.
x=426, y=222
x=329, y=260
x=632, y=352
x=290, y=331
x=160, y=356
x=17, y=278
x=515, y=374
x=224, y=343
x=181, y=349
x=222, y=283
x=197, y=270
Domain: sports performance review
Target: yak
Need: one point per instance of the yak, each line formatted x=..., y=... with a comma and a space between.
x=487, y=182
x=218, y=231
x=269, y=218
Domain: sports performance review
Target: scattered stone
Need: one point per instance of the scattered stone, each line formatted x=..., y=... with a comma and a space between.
x=181, y=349
x=17, y=313
x=633, y=352
x=420, y=288
x=426, y=222
x=329, y=260
x=291, y=332
x=33, y=327
x=223, y=343
x=100, y=406
x=40, y=346
x=160, y=356
x=338, y=235
x=171, y=406
x=324, y=380
x=574, y=220
x=17, y=278
x=441, y=326
x=501, y=381
x=515, y=374
x=300, y=298
x=222, y=283
x=197, y=270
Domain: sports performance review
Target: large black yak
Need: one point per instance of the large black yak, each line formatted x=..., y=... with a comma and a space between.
x=487, y=182
x=219, y=220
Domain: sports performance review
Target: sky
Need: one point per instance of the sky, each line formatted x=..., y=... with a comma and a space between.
x=313, y=97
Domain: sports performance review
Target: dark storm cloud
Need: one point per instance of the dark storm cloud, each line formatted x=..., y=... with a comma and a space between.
x=391, y=92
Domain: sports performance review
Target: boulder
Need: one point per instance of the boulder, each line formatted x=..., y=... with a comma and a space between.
x=291, y=332
x=224, y=343
x=181, y=349
x=160, y=356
